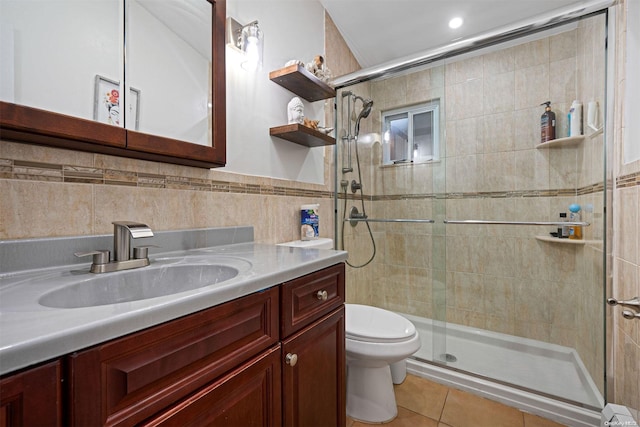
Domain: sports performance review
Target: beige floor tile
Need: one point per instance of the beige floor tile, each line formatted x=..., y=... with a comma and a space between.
x=466, y=410
x=405, y=418
x=422, y=396
x=536, y=421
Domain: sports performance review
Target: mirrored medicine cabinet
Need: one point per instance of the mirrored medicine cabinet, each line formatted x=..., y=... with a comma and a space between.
x=134, y=78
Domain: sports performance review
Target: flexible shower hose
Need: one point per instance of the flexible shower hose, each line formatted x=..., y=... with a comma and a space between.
x=364, y=213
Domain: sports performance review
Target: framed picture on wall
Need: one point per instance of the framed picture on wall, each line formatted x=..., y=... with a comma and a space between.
x=107, y=103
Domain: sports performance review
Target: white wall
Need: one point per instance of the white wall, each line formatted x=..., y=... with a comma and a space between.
x=292, y=30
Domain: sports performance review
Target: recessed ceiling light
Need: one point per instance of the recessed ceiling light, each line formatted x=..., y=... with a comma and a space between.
x=455, y=23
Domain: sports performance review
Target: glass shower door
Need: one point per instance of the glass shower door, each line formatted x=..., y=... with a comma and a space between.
x=523, y=306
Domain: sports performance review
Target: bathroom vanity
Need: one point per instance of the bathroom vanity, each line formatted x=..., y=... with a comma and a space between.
x=272, y=356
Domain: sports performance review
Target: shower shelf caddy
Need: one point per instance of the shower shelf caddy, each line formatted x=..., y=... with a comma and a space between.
x=561, y=241
x=570, y=141
x=298, y=80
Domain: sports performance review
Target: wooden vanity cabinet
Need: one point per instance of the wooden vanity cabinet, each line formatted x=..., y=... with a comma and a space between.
x=271, y=358
x=313, y=349
x=32, y=397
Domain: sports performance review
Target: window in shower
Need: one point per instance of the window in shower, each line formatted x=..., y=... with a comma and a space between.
x=411, y=134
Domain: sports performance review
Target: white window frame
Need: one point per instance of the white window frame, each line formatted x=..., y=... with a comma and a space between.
x=411, y=111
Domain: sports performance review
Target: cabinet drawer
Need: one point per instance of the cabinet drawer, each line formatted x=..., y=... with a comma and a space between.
x=129, y=379
x=307, y=298
x=248, y=396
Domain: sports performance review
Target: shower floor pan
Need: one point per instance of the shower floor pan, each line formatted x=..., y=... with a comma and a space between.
x=550, y=369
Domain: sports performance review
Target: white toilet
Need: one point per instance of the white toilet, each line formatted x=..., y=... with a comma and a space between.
x=375, y=339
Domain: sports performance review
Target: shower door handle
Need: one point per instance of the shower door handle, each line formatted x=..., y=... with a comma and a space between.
x=633, y=303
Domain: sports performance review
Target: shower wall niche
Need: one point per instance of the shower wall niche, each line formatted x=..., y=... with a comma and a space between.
x=496, y=278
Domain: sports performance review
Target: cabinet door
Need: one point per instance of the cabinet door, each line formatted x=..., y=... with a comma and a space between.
x=32, y=398
x=314, y=386
x=246, y=397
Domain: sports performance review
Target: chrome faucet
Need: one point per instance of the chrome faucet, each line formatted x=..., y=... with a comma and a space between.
x=123, y=231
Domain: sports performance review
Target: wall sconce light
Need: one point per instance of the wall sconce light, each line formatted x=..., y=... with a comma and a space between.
x=248, y=39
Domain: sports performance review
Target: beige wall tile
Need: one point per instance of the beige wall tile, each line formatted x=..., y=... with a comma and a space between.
x=30, y=208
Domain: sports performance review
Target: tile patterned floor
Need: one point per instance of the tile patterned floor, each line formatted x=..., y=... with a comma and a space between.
x=423, y=403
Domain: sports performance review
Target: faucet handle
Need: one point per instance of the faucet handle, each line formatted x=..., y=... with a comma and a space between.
x=140, y=252
x=99, y=256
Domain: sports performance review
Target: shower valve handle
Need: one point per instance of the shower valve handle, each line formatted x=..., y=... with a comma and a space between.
x=355, y=186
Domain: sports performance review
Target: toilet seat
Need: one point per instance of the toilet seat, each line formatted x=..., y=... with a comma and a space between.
x=376, y=325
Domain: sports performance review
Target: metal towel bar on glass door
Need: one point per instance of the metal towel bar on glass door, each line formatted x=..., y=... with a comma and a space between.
x=479, y=221
x=422, y=221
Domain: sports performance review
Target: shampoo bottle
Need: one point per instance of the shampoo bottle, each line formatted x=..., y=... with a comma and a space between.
x=575, y=231
x=547, y=123
x=575, y=119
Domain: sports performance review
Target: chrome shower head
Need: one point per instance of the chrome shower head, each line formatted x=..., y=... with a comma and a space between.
x=367, y=104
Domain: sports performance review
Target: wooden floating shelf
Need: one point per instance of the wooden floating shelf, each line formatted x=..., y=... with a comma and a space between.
x=302, y=135
x=298, y=80
x=570, y=141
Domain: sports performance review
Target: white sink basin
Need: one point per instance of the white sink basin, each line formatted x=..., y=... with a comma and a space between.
x=138, y=284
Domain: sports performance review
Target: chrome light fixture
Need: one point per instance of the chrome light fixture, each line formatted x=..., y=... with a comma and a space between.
x=249, y=40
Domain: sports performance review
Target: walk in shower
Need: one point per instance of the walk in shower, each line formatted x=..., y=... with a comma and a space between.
x=447, y=201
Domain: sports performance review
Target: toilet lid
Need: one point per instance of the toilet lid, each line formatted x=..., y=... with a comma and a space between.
x=373, y=324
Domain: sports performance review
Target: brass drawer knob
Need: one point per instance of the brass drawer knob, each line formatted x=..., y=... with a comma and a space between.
x=322, y=295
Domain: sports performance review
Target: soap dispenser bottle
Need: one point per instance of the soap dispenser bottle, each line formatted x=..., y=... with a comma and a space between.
x=547, y=124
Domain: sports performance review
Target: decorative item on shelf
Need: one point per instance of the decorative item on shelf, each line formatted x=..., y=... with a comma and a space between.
x=324, y=130
x=295, y=111
x=294, y=62
x=313, y=124
x=317, y=67
x=315, y=64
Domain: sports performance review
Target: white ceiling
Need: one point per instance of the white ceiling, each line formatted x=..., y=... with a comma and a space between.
x=379, y=31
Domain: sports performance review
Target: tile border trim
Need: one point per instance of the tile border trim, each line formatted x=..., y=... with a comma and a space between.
x=49, y=172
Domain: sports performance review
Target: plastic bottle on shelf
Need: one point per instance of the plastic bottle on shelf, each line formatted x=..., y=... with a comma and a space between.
x=575, y=119
x=575, y=231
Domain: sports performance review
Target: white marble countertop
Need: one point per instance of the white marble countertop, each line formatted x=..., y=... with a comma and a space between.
x=31, y=333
